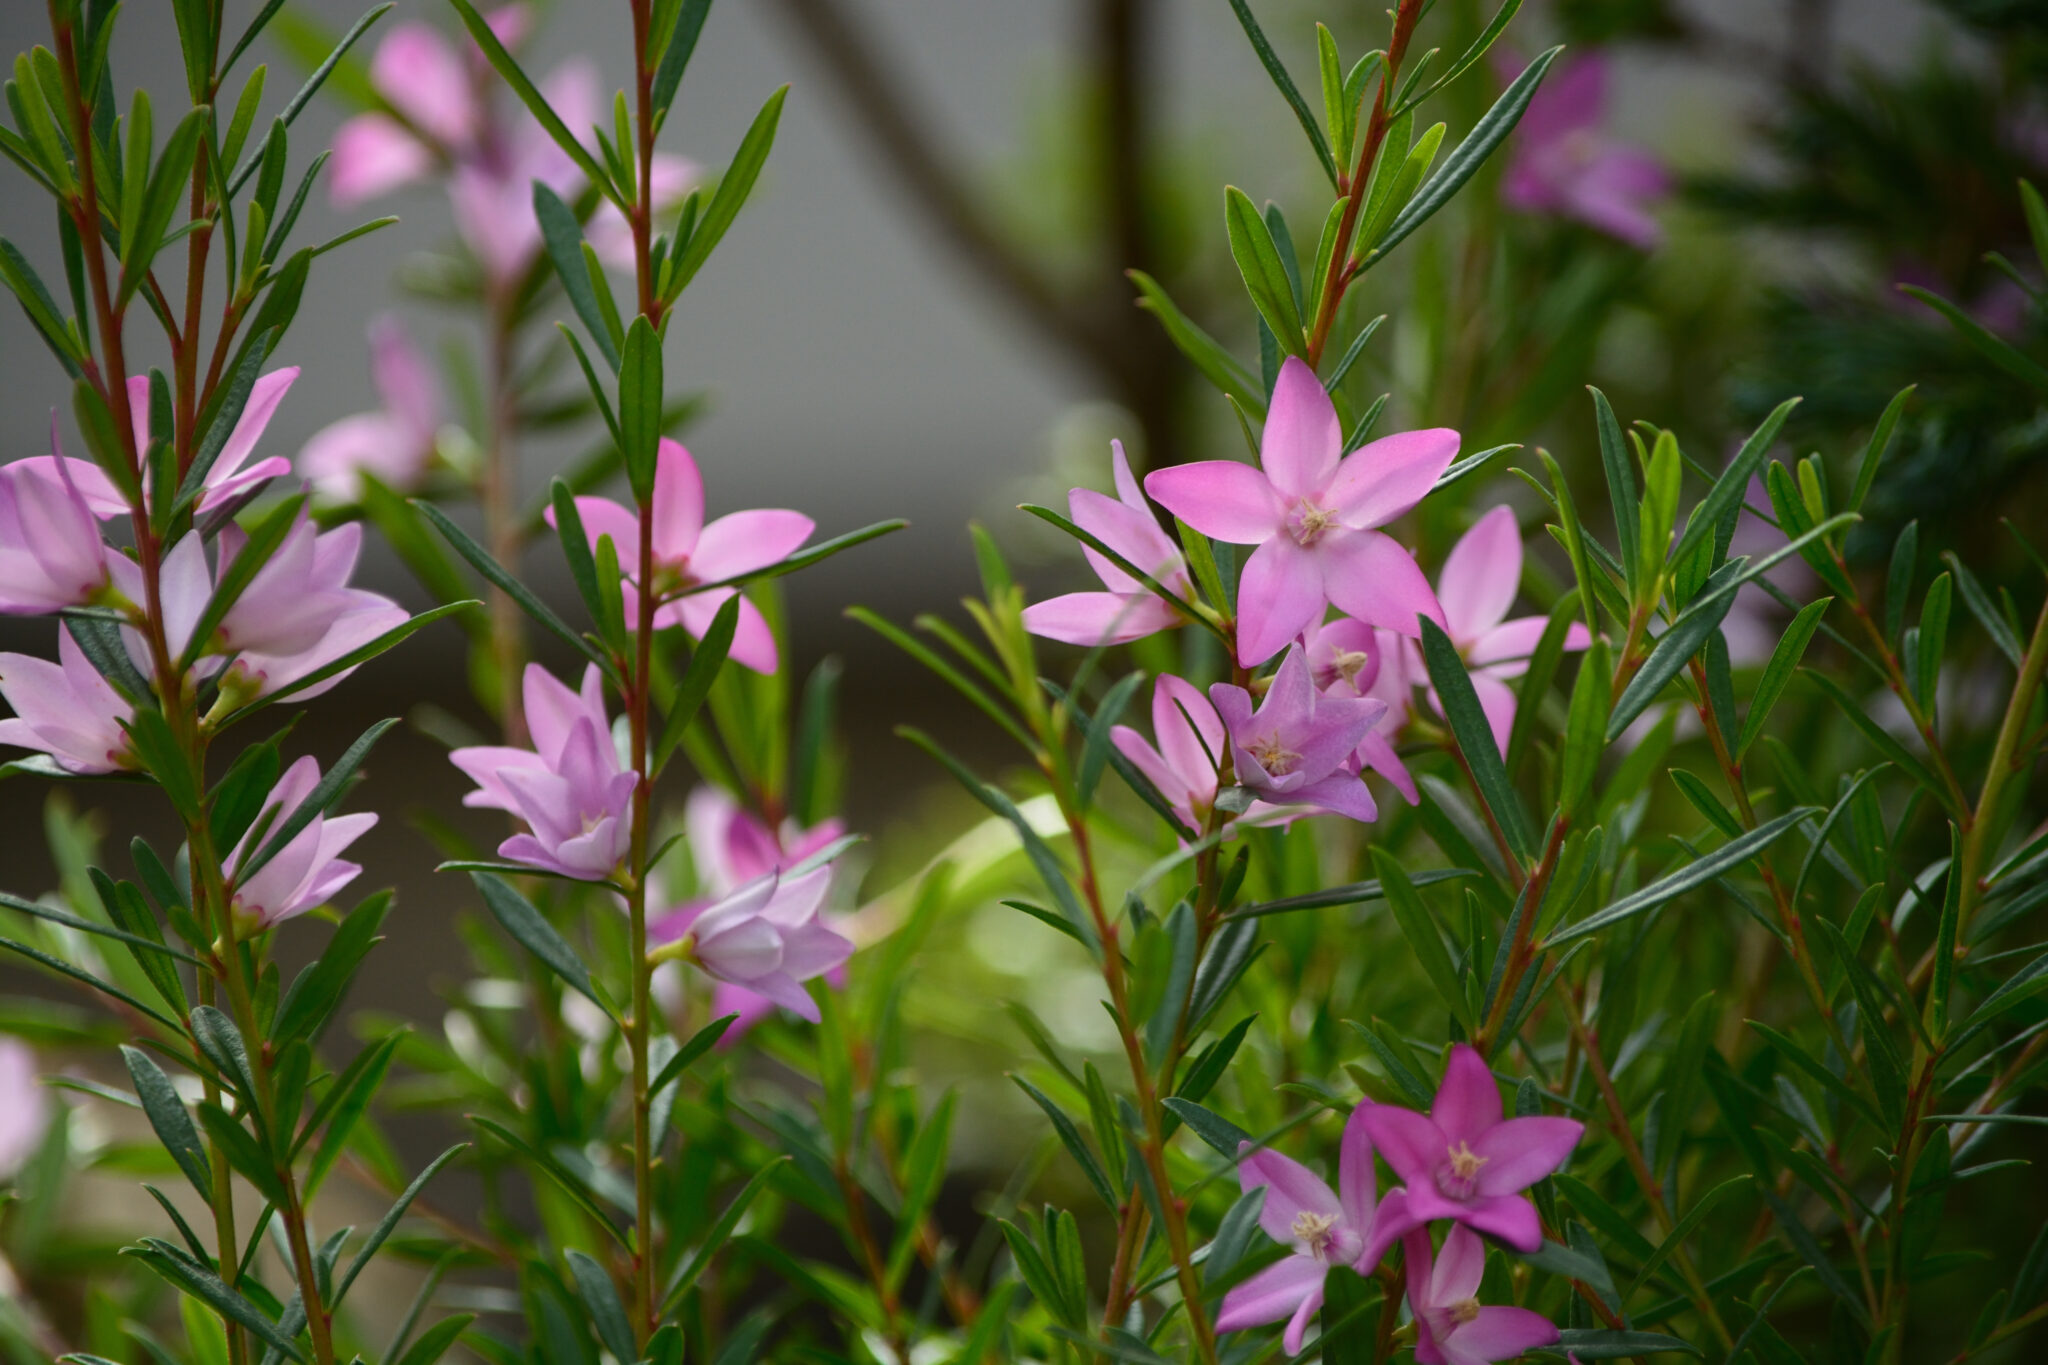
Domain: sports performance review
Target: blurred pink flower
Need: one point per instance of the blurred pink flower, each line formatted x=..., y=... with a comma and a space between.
x=24, y=1106
x=1477, y=585
x=51, y=554
x=1294, y=750
x=1325, y=1228
x=687, y=552
x=307, y=871
x=395, y=444
x=66, y=710
x=571, y=789
x=1313, y=513
x=1564, y=164
x=1451, y=1327
x=1128, y=610
x=1348, y=658
x=1463, y=1161
x=765, y=936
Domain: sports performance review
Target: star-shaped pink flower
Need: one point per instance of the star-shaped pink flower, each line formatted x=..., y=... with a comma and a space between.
x=1128, y=610
x=1451, y=1327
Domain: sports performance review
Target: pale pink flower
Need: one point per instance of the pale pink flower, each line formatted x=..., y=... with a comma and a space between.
x=1450, y=1325
x=1478, y=584
x=570, y=788
x=1295, y=749
x=1564, y=163
x=766, y=936
x=66, y=710
x=286, y=613
x=1313, y=512
x=1190, y=744
x=1325, y=1228
x=51, y=554
x=1128, y=610
x=1348, y=658
x=688, y=553
x=395, y=444
x=24, y=1106
x=307, y=871
x=1463, y=1161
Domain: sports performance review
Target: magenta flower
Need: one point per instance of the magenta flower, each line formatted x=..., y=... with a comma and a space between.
x=1326, y=1229
x=570, y=788
x=395, y=444
x=732, y=847
x=24, y=1106
x=688, y=553
x=1351, y=659
x=1566, y=166
x=66, y=710
x=766, y=936
x=51, y=554
x=226, y=480
x=1128, y=610
x=1463, y=1161
x=1477, y=586
x=252, y=674
x=1450, y=1326
x=1313, y=512
x=1294, y=749
x=307, y=871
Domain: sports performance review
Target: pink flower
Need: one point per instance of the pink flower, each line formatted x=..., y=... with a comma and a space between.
x=289, y=608
x=1351, y=659
x=1477, y=586
x=24, y=1106
x=252, y=674
x=570, y=788
x=1313, y=512
x=51, y=554
x=1326, y=1229
x=766, y=936
x=1128, y=610
x=226, y=480
x=307, y=871
x=1191, y=741
x=1451, y=1328
x=396, y=443
x=66, y=710
x=688, y=553
x=1566, y=166
x=731, y=847
x=1463, y=1161
x=1294, y=749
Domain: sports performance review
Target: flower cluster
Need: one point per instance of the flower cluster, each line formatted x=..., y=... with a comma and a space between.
x=1462, y=1163
x=1300, y=737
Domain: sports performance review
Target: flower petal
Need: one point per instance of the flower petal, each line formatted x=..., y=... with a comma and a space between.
x=1099, y=618
x=1521, y=1152
x=1302, y=442
x=1219, y=498
x=1500, y=1333
x=678, y=502
x=1292, y=1189
x=374, y=154
x=1467, y=1104
x=1384, y=479
x=1357, y=1185
x=1508, y=1218
x=1407, y=1141
x=1274, y=1293
x=1481, y=576
x=1460, y=1264
x=1368, y=575
x=1280, y=596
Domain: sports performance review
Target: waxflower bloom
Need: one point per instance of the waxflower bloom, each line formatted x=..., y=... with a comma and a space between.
x=688, y=553
x=1463, y=1161
x=1451, y=1327
x=1127, y=610
x=290, y=606
x=66, y=710
x=1477, y=586
x=1565, y=165
x=1190, y=745
x=1313, y=512
x=1294, y=749
x=570, y=788
x=24, y=1106
x=1326, y=1229
x=766, y=936
x=394, y=444
x=1348, y=658
x=307, y=871
x=51, y=554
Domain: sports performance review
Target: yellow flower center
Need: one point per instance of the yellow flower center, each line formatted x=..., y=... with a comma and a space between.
x=1310, y=521
x=1349, y=663
x=1314, y=1232
x=1463, y=1311
x=1465, y=1164
x=1276, y=758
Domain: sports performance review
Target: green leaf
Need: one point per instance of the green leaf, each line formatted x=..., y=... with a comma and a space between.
x=601, y=1299
x=1934, y=612
x=1474, y=735
x=1810, y=1251
x=1777, y=675
x=805, y=559
x=1621, y=485
x=166, y=191
x=701, y=1042
x=1589, y=1343
x=1265, y=276
x=1702, y=799
x=1673, y=649
x=1880, y=442
x=1394, y=193
x=1217, y=365
x=1077, y=1146
x=343, y=1106
x=200, y=1282
x=1586, y=725
x=563, y=236
x=1275, y=68
x=1418, y=926
x=84, y=977
x=733, y=188
x=1991, y=346
x=435, y=1341
x=717, y=1236
x=21, y=278
x=705, y=662
x=317, y=990
x=1470, y=56
x=689, y=23
x=522, y=86
x=389, y=1222
x=1987, y=614
x=1694, y=874
x=1095, y=753
x=70, y=921
x=1487, y=134
x=168, y=1116
x=1725, y=497
x=324, y=795
x=1881, y=739
x=640, y=387
x=532, y=931
x=924, y=1164
x=1219, y=1132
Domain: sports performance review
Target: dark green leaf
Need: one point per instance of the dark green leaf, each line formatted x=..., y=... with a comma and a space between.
x=563, y=236
x=1694, y=874
x=1474, y=735
x=733, y=188
x=168, y=1116
x=531, y=929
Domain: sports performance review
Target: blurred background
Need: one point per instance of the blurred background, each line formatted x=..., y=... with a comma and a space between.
x=924, y=311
